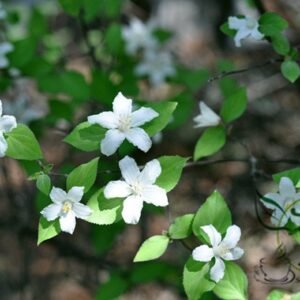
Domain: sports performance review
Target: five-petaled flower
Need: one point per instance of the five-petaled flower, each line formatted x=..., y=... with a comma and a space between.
x=244, y=27
x=139, y=36
x=207, y=117
x=221, y=249
x=7, y=124
x=137, y=187
x=66, y=207
x=123, y=123
x=284, y=203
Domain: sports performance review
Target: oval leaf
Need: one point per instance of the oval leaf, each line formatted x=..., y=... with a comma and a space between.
x=43, y=183
x=290, y=70
x=47, y=230
x=181, y=228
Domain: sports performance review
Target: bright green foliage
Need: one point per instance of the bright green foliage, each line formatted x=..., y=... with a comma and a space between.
x=71, y=7
x=105, y=211
x=195, y=279
x=84, y=175
x=37, y=25
x=47, y=230
x=172, y=167
x=271, y=24
x=113, y=39
x=213, y=211
x=280, y=44
x=43, y=183
x=293, y=174
x=152, y=248
x=234, y=105
x=283, y=295
x=226, y=30
x=290, y=70
x=22, y=144
x=181, y=227
x=211, y=141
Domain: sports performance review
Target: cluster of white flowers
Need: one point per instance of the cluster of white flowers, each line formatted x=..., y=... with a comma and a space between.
x=285, y=204
x=156, y=63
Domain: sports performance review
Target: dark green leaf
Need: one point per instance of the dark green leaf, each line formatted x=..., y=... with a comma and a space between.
x=290, y=70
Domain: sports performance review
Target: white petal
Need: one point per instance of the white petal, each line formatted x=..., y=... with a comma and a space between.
x=81, y=211
x=233, y=254
x=233, y=235
x=105, y=119
x=117, y=189
x=142, y=116
x=75, y=194
x=236, y=23
x=286, y=187
x=207, y=117
x=241, y=34
x=213, y=235
x=1, y=109
x=68, y=222
x=218, y=270
x=279, y=218
x=58, y=195
x=7, y=123
x=122, y=105
x=129, y=169
x=256, y=34
x=132, y=208
x=150, y=172
x=3, y=145
x=139, y=138
x=51, y=212
x=272, y=196
x=155, y=195
x=111, y=142
x=203, y=253
x=6, y=47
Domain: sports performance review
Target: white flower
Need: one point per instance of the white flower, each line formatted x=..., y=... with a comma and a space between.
x=138, y=187
x=66, y=207
x=245, y=27
x=123, y=124
x=7, y=124
x=287, y=200
x=221, y=249
x=157, y=66
x=207, y=117
x=3, y=13
x=139, y=36
x=5, y=47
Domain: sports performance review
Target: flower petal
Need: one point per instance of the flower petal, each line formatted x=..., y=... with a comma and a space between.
x=111, y=142
x=236, y=23
x=233, y=235
x=122, y=105
x=155, y=195
x=218, y=270
x=58, y=195
x=256, y=34
x=203, y=253
x=241, y=34
x=1, y=108
x=105, y=119
x=129, y=169
x=150, y=172
x=142, y=116
x=81, y=211
x=51, y=212
x=117, y=189
x=233, y=254
x=272, y=196
x=3, y=145
x=213, y=235
x=68, y=222
x=75, y=194
x=286, y=187
x=132, y=208
x=279, y=218
x=7, y=123
x=139, y=138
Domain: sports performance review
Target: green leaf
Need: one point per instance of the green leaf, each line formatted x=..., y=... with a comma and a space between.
x=82, y=141
x=271, y=24
x=47, y=230
x=290, y=70
x=171, y=171
x=113, y=39
x=280, y=44
x=37, y=24
x=234, y=105
x=111, y=8
x=84, y=175
x=226, y=30
x=181, y=227
x=293, y=174
x=22, y=144
x=213, y=211
x=282, y=295
x=71, y=7
x=165, y=110
x=152, y=248
x=211, y=141
x=105, y=211
x=195, y=280
x=43, y=183
x=234, y=283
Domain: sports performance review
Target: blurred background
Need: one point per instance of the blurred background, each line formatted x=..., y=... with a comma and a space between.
x=67, y=63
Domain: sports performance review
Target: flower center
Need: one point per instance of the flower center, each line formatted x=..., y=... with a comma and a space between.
x=66, y=207
x=251, y=23
x=124, y=122
x=137, y=188
x=220, y=251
